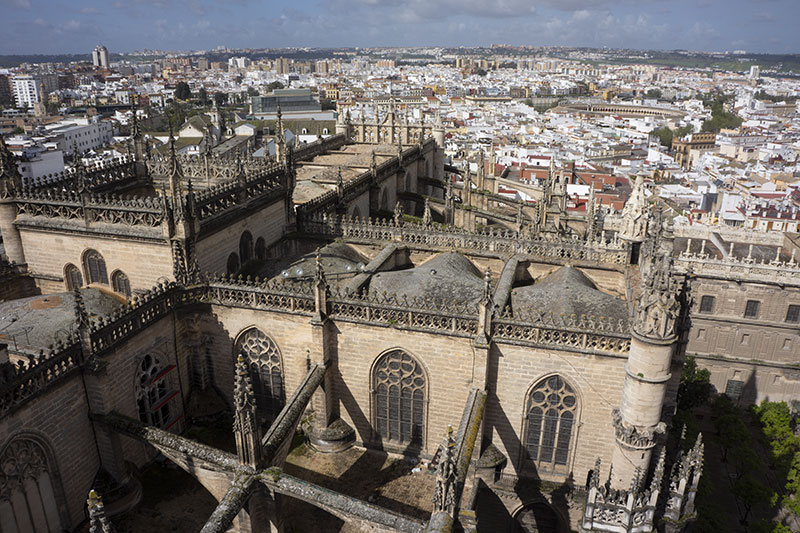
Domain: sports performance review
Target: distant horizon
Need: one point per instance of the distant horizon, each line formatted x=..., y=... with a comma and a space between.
x=54, y=27
x=732, y=52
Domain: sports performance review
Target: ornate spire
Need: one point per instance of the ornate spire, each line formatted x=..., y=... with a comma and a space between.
x=245, y=421
x=487, y=285
x=175, y=171
x=319, y=271
x=634, y=214
x=339, y=184
x=80, y=171
x=658, y=306
x=398, y=214
x=427, y=218
x=98, y=523
x=81, y=316
x=444, y=496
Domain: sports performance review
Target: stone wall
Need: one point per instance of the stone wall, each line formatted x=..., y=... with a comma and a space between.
x=49, y=252
x=761, y=352
x=68, y=436
x=213, y=249
x=597, y=380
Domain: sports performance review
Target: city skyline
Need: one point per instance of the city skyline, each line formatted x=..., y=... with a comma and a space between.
x=46, y=26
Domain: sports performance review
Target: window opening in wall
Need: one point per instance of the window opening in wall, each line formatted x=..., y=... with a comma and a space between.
x=707, y=304
x=751, y=309
x=793, y=314
x=266, y=372
x=552, y=409
x=398, y=384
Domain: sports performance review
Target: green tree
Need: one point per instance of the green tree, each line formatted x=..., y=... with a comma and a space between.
x=664, y=136
x=202, y=96
x=653, y=93
x=182, y=91
x=252, y=91
x=751, y=493
x=778, y=428
x=480, y=72
x=683, y=131
x=695, y=386
x=274, y=85
x=220, y=98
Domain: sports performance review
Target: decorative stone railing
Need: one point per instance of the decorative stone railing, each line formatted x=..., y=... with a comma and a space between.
x=622, y=511
x=572, y=332
x=503, y=241
x=208, y=168
x=140, y=313
x=400, y=312
x=37, y=375
x=97, y=176
x=111, y=209
x=308, y=151
x=296, y=297
x=743, y=269
x=220, y=198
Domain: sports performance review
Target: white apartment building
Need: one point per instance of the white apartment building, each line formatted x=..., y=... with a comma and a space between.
x=25, y=89
x=36, y=162
x=86, y=134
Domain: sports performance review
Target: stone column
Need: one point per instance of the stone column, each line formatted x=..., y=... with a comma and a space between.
x=637, y=422
x=327, y=432
x=11, y=237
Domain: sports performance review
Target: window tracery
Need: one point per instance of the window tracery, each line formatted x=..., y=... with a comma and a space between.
x=552, y=412
x=398, y=382
x=266, y=371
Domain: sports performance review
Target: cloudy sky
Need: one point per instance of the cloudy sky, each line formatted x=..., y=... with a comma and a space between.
x=61, y=26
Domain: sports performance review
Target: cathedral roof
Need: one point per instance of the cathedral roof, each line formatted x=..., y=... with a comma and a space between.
x=567, y=291
x=37, y=322
x=449, y=277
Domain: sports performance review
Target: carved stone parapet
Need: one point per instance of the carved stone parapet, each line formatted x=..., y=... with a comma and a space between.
x=636, y=437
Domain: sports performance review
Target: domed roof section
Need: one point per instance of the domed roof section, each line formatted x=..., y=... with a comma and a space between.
x=567, y=291
x=447, y=277
x=338, y=260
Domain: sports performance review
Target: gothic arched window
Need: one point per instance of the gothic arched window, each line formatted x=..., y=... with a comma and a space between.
x=72, y=277
x=27, y=488
x=552, y=413
x=261, y=249
x=246, y=247
x=153, y=392
x=398, y=385
x=121, y=283
x=266, y=371
x=233, y=263
x=95, y=267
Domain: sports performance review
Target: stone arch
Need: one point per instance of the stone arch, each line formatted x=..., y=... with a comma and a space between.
x=550, y=421
x=355, y=213
x=325, y=131
x=94, y=267
x=537, y=516
x=120, y=283
x=72, y=277
x=233, y=263
x=265, y=363
x=31, y=494
x=246, y=247
x=399, y=391
x=261, y=249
